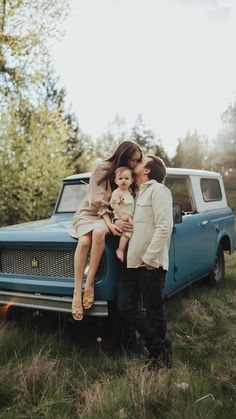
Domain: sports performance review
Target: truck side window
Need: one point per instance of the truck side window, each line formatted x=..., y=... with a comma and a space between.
x=180, y=193
x=211, y=190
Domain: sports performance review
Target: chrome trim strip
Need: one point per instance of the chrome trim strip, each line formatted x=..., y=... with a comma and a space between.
x=52, y=303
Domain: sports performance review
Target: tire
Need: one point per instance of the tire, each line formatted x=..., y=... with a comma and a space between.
x=217, y=271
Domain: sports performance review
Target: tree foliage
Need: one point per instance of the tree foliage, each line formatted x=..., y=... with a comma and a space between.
x=147, y=140
x=224, y=157
x=36, y=129
x=108, y=141
x=32, y=164
x=40, y=138
x=81, y=152
x=218, y=155
x=117, y=133
x=191, y=151
x=26, y=28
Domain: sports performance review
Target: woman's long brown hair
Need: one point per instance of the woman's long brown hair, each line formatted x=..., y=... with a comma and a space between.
x=121, y=157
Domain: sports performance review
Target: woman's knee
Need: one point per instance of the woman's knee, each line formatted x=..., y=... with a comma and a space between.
x=84, y=242
x=99, y=236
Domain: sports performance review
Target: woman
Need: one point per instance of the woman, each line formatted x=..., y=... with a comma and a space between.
x=92, y=222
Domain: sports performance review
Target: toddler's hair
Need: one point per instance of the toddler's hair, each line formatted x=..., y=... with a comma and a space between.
x=122, y=169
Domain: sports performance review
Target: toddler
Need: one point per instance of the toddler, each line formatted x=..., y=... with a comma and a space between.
x=122, y=202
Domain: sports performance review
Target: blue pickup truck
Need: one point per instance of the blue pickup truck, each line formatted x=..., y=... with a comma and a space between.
x=36, y=258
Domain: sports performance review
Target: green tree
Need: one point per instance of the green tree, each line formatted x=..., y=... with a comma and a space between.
x=116, y=133
x=108, y=142
x=79, y=147
x=147, y=140
x=36, y=129
x=82, y=153
x=223, y=154
x=223, y=157
x=32, y=164
x=26, y=28
x=191, y=152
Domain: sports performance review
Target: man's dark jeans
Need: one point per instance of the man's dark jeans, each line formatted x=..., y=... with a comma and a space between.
x=151, y=284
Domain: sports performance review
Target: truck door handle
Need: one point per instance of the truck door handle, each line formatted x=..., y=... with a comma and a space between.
x=204, y=222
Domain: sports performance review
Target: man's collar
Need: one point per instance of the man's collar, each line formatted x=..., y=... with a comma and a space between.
x=148, y=182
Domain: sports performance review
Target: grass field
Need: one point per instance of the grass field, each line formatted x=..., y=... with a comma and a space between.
x=51, y=367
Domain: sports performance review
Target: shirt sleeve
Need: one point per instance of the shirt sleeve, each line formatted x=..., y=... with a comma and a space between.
x=98, y=194
x=163, y=218
x=115, y=198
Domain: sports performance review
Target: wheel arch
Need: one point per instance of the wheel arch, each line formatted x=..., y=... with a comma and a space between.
x=225, y=242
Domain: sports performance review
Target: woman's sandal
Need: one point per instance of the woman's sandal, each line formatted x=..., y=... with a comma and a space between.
x=77, y=309
x=88, y=299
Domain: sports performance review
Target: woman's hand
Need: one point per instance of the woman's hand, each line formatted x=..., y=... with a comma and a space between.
x=115, y=230
x=124, y=225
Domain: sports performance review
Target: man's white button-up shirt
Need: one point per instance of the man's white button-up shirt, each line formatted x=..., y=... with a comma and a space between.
x=152, y=227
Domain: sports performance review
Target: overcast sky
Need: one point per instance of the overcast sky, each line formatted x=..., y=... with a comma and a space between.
x=173, y=61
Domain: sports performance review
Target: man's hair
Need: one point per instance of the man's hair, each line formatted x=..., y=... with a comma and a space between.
x=157, y=168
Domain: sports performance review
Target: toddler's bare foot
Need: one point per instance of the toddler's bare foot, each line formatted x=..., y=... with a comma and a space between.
x=77, y=307
x=88, y=297
x=120, y=254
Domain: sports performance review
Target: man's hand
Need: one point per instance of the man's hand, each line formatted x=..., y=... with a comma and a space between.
x=125, y=217
x=124, y=225
x=148, y=267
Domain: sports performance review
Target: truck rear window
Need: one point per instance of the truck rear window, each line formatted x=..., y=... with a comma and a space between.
x=211, y=190
x=180, y=192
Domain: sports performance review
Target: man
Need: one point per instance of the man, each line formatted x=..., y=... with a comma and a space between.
x=147, y=260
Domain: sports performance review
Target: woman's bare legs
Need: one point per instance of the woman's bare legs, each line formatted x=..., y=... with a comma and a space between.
x=80, y=261
x=97, y=249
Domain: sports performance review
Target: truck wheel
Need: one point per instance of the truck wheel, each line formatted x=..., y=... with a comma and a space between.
x=217, y=272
